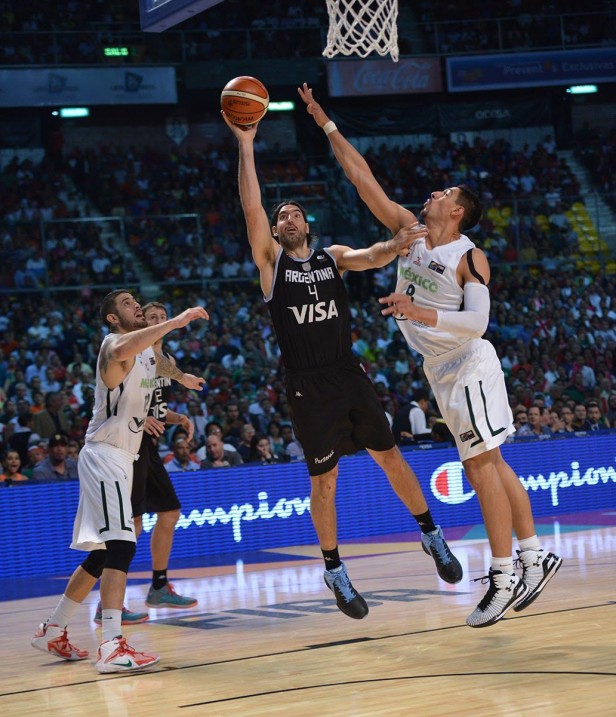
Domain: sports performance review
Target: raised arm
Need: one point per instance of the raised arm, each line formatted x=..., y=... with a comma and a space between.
x=264, y=247
x=392, y=215
x=379, y=254
x=118, y=353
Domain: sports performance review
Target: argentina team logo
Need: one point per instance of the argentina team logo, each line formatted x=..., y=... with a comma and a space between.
x=448, y=486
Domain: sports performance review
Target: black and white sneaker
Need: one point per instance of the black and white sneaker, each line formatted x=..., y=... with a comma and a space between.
x=538, y=568
x=347, y=598
x=506, y=590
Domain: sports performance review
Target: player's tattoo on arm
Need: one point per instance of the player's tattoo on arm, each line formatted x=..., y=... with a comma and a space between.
x=104, y=357
x=165, y=367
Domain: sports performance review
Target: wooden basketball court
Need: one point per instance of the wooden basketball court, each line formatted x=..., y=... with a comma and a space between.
x=267, y=639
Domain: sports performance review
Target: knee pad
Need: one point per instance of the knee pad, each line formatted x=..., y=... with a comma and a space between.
x=119, y=554
x=94, y=564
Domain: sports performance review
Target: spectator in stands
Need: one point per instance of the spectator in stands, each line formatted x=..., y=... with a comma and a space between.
x=12, y=466
x=181, y=461
x=36, y=454
x=261, y=450
x=579, y=417
x=233, y=423
x=594, y=420
x=534, y=427
x=57, y=466
x=411, y=421
x=274, y=435
x=292, y=446
x=216, y=454
x=53, y=419
x=72, y=449
x=22, y=436
x=244, y=447
x=566, y=415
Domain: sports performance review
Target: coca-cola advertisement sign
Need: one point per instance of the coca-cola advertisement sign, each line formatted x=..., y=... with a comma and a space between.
x=350, y=78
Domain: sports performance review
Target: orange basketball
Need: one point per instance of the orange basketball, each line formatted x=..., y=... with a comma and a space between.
x=244, y=100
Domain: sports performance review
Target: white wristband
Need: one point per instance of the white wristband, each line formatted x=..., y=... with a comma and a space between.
x=329, y=127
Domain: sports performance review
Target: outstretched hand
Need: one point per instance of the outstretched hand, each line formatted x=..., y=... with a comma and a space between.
x=183, y=319
x=312, y=106
x=399, y=304
x=193, y=382
x=242, y=133
x=401, y=243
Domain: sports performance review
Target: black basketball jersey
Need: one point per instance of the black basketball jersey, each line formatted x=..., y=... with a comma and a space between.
x=160, y=396
x=309, y=307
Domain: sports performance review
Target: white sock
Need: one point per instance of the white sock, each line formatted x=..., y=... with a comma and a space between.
x=112, y=624
x=63, y=613
x=505, y=565
x=531, y=543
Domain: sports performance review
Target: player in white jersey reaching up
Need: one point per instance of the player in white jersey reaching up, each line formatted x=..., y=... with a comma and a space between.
x=442, y=306
x=126, y=373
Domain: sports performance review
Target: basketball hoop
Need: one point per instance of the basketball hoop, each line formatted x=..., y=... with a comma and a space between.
x=362, y=26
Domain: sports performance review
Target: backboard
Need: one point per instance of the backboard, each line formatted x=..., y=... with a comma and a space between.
x=158, y=15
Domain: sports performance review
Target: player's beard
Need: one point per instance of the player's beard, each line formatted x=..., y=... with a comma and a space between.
x=133, y=324
x=294, y=241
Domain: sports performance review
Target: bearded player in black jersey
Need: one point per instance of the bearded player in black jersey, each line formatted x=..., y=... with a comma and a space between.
x=334, y=405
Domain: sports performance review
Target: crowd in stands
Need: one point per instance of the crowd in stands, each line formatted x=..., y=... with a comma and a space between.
x=450, y=27
x=79, y=31
x=528, y=194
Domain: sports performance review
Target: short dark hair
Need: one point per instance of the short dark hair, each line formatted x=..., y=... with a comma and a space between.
x=276, y=211
x=154, y=305
x=108, y=304
x=421, y=395
x=468, y=199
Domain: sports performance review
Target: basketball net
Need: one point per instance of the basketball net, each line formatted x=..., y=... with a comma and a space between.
x=362, y=26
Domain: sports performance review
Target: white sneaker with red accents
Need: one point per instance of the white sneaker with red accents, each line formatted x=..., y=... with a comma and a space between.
x=54, y=639
x=118, y=656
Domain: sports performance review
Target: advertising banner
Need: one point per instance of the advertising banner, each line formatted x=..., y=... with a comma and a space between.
x=530, y=69
x=383, y=77
x=494, y=114
x=87, y=86
x=232, y=511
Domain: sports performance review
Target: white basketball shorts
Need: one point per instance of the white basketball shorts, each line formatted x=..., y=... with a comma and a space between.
x=469, y=387
x=105, y=483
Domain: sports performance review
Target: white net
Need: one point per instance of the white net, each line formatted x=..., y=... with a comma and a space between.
x=359, y=27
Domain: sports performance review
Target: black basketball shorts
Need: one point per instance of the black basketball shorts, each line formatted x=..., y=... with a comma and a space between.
x=153, y=491
x=336, y=412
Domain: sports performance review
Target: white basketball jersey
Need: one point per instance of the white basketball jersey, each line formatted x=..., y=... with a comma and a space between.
x=429, y=276
x=119, y=414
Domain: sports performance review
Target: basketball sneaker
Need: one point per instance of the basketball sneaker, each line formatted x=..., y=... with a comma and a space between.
x=506, y=590
x=128, y=616
x=118, y=656
x=538, y=568
x=54, y=639
x=167, y=597
x=447, y=565
x=347, y=598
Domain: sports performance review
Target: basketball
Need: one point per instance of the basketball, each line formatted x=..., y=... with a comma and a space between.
x=244, y=100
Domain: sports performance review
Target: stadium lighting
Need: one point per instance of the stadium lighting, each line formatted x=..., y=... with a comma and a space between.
x=582, y=89
x=68, y=112
x=281, y=106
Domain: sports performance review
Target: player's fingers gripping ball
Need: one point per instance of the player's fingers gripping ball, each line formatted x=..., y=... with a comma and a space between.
x=244, y=100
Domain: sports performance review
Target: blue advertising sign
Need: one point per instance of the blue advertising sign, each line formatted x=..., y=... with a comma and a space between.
x=531, y=69
x=87, y=86
x=234, y=510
